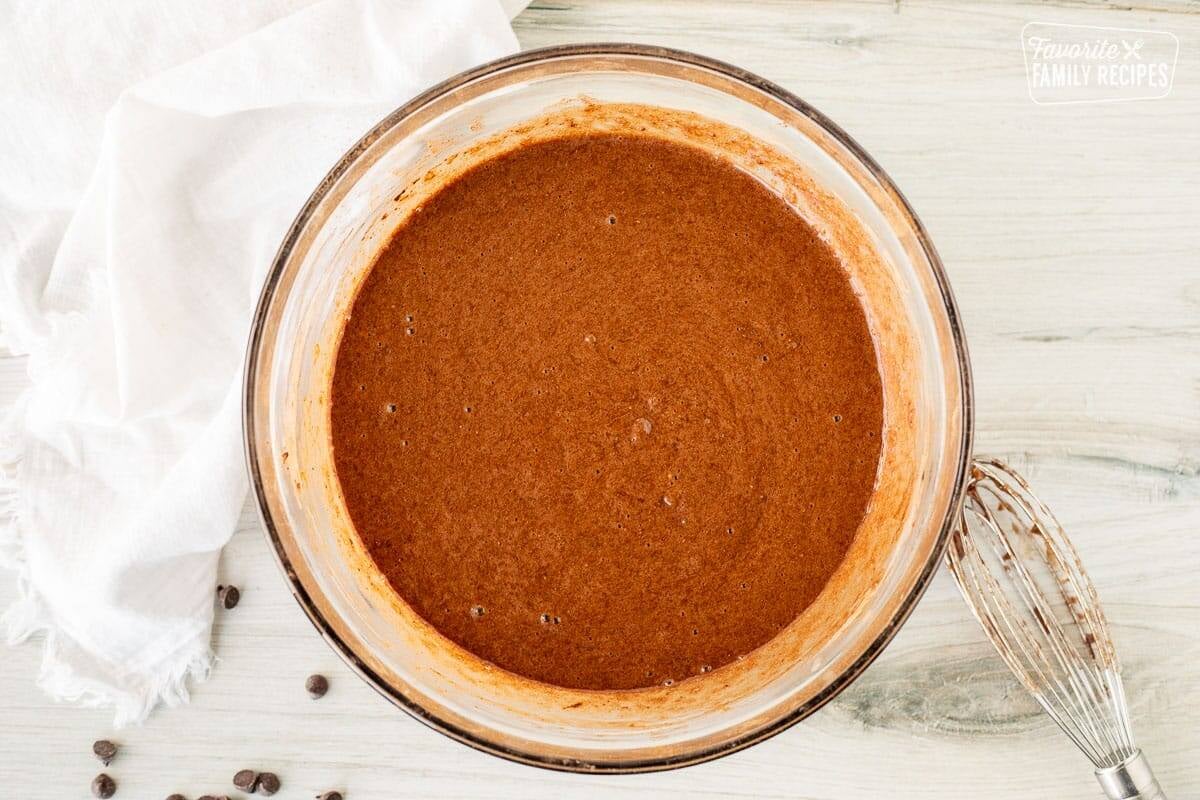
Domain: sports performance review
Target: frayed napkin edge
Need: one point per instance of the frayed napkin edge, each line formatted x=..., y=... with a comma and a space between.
x=27, y=617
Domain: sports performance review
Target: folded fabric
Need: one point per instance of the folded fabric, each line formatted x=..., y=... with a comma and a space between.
x=121, y=474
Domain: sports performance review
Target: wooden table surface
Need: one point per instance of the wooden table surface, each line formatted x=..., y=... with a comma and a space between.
x=1072, y=238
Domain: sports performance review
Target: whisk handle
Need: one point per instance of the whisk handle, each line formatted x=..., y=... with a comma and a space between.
x=1130, y=780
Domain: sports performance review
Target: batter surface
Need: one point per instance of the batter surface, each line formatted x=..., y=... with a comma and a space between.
x=606, y=412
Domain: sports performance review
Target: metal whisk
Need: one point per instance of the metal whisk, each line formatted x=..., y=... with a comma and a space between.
x=1026, y=586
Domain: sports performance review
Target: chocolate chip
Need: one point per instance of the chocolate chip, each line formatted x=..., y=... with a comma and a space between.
x=245, y=779
x=268, y=783
x=330, y=796
x=103, y=786
x=104, y=750
x=316, y=686
x=228, y=596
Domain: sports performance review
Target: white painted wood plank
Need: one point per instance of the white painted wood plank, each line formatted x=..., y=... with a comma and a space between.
x=1071, y=239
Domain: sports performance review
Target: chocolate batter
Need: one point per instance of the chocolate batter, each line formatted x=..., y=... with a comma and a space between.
x=606, y=412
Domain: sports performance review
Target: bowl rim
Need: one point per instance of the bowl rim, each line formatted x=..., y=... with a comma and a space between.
x=416, y=710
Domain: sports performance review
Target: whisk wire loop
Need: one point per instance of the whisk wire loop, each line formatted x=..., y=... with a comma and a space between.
x=1026, y=585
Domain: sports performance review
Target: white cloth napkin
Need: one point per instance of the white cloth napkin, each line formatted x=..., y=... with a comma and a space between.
x=121, y=473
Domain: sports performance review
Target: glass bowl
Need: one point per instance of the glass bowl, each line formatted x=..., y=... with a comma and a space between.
x=802, y=156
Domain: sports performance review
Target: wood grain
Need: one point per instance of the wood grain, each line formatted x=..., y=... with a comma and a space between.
x=1071, y=237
